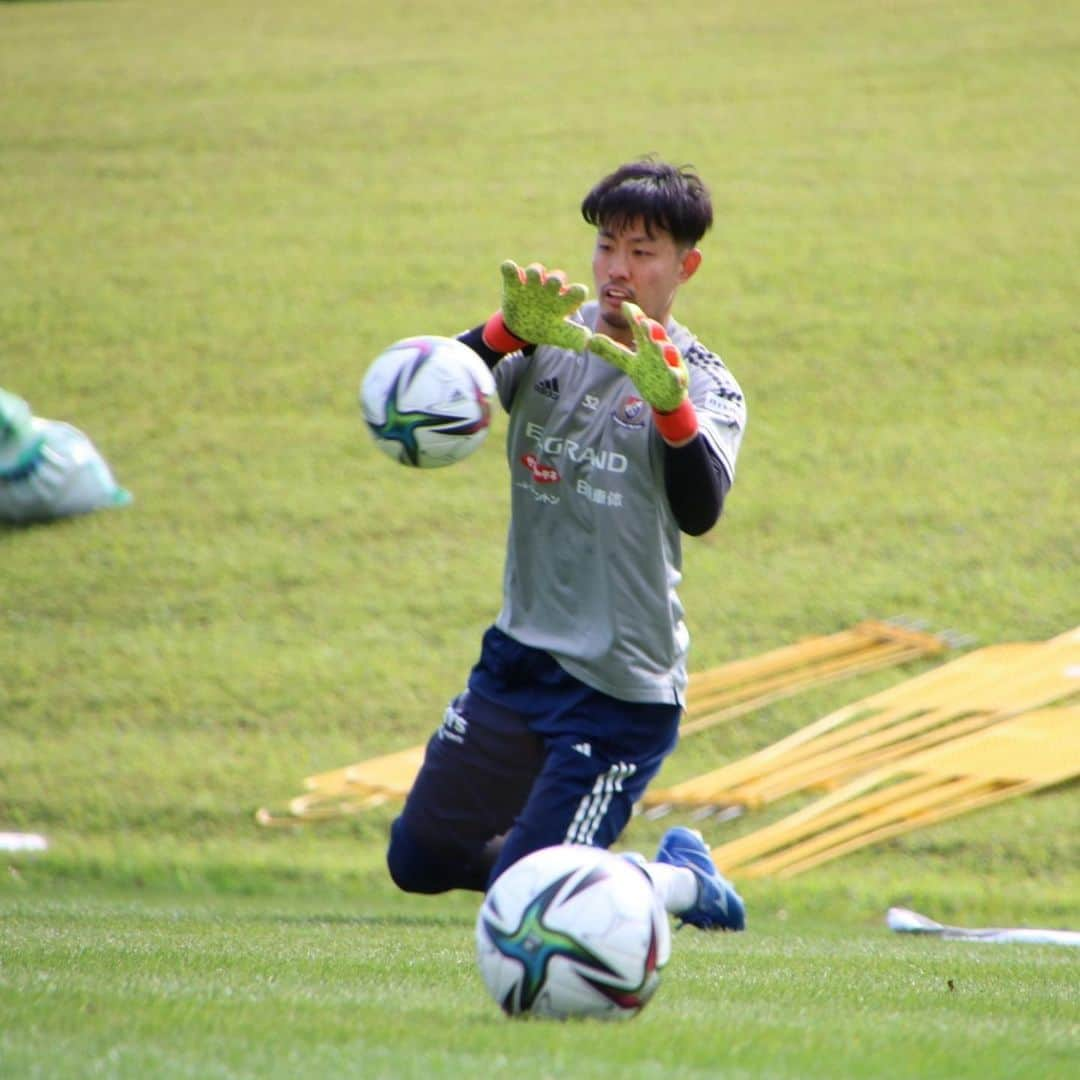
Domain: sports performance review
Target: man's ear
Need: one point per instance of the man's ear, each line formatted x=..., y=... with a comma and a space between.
x=690, y=262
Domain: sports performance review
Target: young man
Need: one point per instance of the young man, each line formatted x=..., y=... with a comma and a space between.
x=623, y=433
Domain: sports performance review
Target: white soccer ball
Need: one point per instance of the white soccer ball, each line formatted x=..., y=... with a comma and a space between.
x=427, y=401
x=572, y=931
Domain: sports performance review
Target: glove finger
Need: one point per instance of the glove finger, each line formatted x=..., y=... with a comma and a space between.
x=577, y=293
x=610, y=350
x=639, y=324
x=565, y=297
x=512, y=274
x=534, y=274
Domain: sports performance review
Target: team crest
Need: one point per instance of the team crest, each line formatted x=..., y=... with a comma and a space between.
x=631, y=413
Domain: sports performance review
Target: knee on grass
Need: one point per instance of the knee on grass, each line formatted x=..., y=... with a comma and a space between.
x=416, y=867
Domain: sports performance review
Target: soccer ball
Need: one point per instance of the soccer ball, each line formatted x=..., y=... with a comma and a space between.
x=427, y=401
x=572, y=931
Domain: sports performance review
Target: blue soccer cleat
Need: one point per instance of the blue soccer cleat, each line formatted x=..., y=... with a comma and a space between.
x=719, y=906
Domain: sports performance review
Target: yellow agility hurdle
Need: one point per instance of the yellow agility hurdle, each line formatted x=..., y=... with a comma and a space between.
x=1012, y=758
x=957, y=699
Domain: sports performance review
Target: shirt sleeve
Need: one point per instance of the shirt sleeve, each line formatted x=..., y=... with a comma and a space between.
x=720, y=405
x=506, y=367
x=474, y=338
x=696, y=483
x=699, y=475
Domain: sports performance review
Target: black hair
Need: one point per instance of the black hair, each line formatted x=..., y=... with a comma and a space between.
x=669, y=197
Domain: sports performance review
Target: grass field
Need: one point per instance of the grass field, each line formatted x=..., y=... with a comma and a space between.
x=214, y=215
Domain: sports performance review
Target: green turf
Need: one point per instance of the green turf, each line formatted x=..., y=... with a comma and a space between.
x=214, y=215
x=228, y=988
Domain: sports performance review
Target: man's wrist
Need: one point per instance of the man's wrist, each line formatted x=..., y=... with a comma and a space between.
x=498, y=337
x=679, y=426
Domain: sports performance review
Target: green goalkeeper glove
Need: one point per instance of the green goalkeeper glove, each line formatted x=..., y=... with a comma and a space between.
x=535, y=307
x=656, y=368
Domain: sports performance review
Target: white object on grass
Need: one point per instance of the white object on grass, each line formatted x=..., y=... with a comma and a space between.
x=49, y=469
x=905, y=921
x=22, y=841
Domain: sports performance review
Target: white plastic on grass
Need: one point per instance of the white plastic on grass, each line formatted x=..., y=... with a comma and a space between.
x=22, y=841
x=905, y=921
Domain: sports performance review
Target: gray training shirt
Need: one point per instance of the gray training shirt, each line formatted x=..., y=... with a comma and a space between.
x=594, y=556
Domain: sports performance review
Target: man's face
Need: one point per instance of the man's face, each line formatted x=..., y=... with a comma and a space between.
x=642, y=267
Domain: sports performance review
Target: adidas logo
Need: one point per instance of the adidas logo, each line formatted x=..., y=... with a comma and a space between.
x=454, y=726
x=583, y=748
x=548, y=387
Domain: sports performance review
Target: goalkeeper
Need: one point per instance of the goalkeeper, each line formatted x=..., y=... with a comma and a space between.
x=623, y=434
